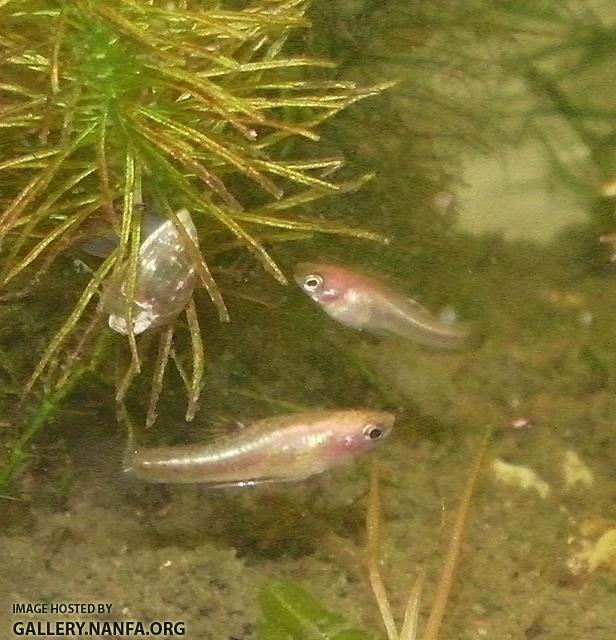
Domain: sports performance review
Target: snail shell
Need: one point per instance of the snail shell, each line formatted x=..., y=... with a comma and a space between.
x=165, y=280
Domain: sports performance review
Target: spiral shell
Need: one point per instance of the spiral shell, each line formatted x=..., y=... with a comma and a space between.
x=165, y=280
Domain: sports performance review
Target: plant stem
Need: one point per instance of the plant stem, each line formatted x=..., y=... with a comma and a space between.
x=373, y=529
x=48, y=406
x=452, y=558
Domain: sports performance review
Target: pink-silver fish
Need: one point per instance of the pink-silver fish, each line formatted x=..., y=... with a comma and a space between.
x=365, y=303
x=284, y=448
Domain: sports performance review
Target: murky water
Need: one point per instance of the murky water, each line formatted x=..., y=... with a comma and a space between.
x=514, y=255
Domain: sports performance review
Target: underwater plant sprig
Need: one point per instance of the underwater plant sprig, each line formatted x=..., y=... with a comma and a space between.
x=185, y=102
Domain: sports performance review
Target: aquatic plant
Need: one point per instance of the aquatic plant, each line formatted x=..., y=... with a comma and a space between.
x=567, y=55
x=522, y=71
x=290, y=612
x=107, y=106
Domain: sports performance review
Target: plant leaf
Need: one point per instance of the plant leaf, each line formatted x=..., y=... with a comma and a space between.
x=292, y=613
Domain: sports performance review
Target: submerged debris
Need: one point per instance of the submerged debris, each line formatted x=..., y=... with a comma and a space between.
x=164, y=283
x=519, y=476
x=575, y=471
x=596, y=549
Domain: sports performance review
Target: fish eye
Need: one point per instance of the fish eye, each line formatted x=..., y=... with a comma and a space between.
x=313, y=282
x=373, y=431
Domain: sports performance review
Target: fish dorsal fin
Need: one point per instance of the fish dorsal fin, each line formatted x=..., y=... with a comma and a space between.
x=219, y=427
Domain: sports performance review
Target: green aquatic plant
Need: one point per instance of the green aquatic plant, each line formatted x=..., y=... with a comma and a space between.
x=107, y=105
x=523, y=71
x=549, y=95
x=564, y=63
x=290, y=612
x=47, y=408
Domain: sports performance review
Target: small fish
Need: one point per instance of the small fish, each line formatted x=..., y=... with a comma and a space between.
x=165, y=278
x=284, y=448
x=362, y=302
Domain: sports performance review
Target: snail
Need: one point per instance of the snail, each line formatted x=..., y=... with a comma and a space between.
x=165, y=277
